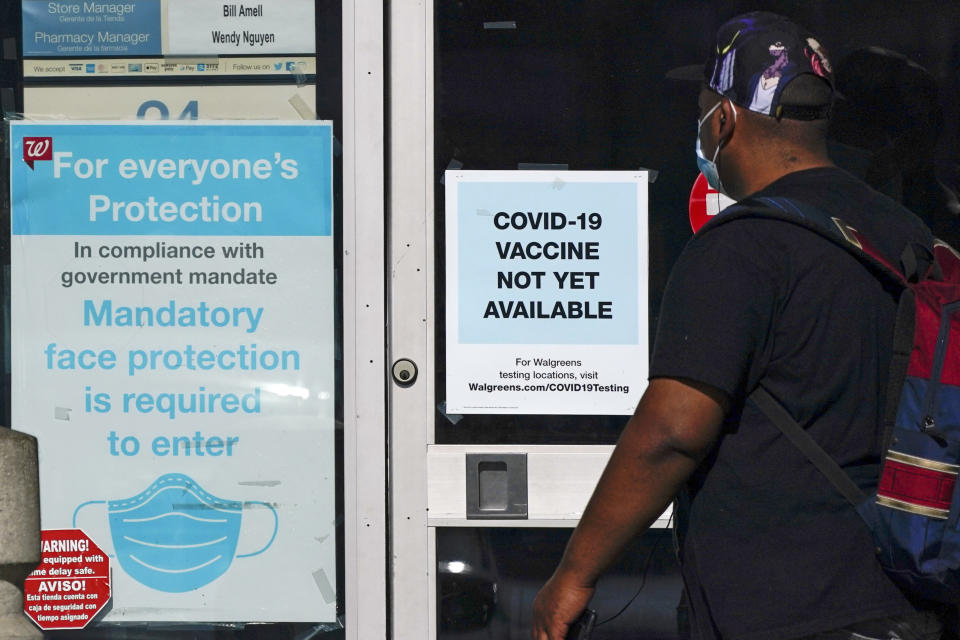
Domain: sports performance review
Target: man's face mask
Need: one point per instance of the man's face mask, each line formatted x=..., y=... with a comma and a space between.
x=709, y=167
x=175, y=536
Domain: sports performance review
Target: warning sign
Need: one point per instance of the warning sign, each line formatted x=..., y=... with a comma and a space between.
x=72, y=583
x=705, y=202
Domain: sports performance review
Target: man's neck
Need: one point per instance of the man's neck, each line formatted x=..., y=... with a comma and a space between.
x=763, y=174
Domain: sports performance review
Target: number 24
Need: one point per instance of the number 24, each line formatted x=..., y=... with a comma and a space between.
x=190, y=112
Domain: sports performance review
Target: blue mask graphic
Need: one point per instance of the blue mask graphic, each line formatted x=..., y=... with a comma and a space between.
x=176, y=537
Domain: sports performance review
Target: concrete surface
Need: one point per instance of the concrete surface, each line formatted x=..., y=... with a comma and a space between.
x=19, y=530
x=14, y=625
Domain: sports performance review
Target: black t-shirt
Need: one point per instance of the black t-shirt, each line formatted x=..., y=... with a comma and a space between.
x=769, y=549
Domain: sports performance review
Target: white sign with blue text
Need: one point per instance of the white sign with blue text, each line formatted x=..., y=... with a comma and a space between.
x=546, y=288
x=173, y=352
x=214, y=27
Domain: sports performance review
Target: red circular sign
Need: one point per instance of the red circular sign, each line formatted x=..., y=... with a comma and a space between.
x=705, y=202
x=71, y=584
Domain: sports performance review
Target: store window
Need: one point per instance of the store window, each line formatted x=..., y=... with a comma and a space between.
x=585, y=87
x=175, y=185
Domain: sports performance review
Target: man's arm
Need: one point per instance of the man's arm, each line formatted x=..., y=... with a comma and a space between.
x=674, y=427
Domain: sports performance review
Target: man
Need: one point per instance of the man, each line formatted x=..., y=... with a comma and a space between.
x=768, y=548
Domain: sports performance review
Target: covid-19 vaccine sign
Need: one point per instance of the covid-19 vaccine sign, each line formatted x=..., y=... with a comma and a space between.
x=546, y=283
x=173, y=352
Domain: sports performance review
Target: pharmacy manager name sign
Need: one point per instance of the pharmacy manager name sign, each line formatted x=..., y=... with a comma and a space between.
x=184, y=406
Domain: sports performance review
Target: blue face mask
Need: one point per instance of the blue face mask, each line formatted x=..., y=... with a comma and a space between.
x=709, y=167
x=174, y=536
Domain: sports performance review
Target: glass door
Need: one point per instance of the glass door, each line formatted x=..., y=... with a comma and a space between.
x=489, y=472
x=513, y=423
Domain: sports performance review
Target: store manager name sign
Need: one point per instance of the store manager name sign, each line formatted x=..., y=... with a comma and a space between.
x=271, y=26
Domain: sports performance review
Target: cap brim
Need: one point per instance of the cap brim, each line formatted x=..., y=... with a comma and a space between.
x=689, y=73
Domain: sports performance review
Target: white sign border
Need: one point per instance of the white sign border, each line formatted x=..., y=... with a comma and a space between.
x=456, y=352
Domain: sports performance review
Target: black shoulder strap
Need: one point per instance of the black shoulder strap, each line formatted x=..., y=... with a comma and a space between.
x=830, y=227
x=903, y=330
x=807, y=445
x=851, y=240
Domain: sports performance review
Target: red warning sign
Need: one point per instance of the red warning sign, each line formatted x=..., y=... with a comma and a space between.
x=71, y=584
x=705, y=202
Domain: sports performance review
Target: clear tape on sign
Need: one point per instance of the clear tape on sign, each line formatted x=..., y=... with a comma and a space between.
x=652, y=174
x=453, y=165
x=454, y=418
x=302, y=108
x=327, y=591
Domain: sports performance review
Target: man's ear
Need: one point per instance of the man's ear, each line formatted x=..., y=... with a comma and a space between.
x=727, y=120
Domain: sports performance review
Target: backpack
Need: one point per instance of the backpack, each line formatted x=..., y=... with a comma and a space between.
x=913, y=514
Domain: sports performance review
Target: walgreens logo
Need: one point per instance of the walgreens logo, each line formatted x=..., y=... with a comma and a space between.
x=37, y=149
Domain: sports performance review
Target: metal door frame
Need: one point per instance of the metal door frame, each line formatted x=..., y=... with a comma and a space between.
x=410, y=304
x=364, y=441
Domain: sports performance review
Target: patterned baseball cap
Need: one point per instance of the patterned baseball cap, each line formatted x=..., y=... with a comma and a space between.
x=757, y=55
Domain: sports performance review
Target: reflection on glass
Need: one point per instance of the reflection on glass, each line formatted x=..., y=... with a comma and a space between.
x=289, y=390
x=487, y=579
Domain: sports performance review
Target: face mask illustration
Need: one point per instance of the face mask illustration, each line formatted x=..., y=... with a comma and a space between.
x=175, y=536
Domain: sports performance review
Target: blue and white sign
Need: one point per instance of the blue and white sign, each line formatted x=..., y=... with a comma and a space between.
x=546, y=291
x=65, y=28
x=183, y=405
